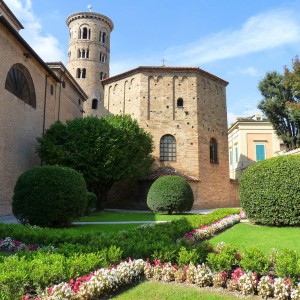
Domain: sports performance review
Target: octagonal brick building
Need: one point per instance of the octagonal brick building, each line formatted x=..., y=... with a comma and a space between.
x=184, y=109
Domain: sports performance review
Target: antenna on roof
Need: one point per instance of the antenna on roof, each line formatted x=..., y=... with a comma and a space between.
x=90, y=7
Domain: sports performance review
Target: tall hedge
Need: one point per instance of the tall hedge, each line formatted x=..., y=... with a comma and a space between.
x=270, y=191
x=170, y=194
x=49, y=196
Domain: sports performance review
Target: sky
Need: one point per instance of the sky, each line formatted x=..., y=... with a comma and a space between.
x=237, y=40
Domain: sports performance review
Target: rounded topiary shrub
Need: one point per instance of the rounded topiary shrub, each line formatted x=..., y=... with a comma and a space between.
x=270, y=191
x=170, y=194
x=49, y=196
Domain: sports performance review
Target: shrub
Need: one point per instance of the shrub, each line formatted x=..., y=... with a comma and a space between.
x=223, y=260
x=170, y=194
x=49, y=196
x=269, y=191
x=91, y=203
x=254, y=260
x=287, y=264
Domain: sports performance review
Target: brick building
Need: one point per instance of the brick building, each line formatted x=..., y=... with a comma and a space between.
x=184, y=108
x=33, y=95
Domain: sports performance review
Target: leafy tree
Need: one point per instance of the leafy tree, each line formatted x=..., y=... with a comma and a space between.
x=277, y=95
x=104, y=150
x=292, y=78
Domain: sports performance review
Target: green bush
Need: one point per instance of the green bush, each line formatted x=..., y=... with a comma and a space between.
x=223, y=260
x=270, y=191
x=287, y=264
x=170, y=194
x=91, y=203
x=254, y=260
x=49, y=196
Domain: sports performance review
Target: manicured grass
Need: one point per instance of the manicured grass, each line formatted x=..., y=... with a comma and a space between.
x=109, y=216
x=262, y=237
x=109, y=228
x=158, y=291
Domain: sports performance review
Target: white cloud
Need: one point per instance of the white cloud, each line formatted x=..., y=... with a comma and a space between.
x=46, y=45
x=261, y=32
x=250, y=71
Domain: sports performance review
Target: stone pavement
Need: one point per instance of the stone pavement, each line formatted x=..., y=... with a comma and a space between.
x=12, y=220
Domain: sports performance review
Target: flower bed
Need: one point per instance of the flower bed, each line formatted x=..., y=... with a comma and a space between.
x=8, y=244
x=104, y=282
x=207, y=231
x=99, y=283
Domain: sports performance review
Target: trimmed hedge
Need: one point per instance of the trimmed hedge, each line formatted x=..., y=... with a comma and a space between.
x=270, y=191
x=159, y=241
x=170, y=194
x=49, y=196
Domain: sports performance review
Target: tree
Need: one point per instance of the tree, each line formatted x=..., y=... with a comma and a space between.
x=292, y=78
x=104, y=150
x=277, y=95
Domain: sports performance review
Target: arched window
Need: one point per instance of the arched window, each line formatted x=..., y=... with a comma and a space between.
x=94, y=103
x=83, y=73
x=168, y=148
x=103, y=37
x=19, y=83
x=213, y=151
x=87, y=53
x=101, y=75
x=179, y=102
x=84, y=33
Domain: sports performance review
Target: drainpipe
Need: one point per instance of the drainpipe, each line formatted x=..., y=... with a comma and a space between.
x=45, y=101
x=59, y=93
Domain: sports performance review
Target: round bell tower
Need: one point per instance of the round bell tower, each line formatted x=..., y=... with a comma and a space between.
x=89, y=55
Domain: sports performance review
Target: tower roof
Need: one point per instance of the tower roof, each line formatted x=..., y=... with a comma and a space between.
x=90, y=15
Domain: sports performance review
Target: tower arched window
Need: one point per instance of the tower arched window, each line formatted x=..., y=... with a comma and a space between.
x=179, y=102
x=168, y=148
x=94, y=103
x=87, y=53
x=84, y=33
x=83, y=73
x=103, y=37
x=213, y=151
x=19, y=82
x=101, y=75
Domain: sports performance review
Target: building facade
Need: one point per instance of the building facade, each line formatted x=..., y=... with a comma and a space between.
x=184, y=109
x=249, y=140
x=33, y=95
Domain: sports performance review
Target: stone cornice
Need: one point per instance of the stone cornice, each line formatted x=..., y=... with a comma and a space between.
x=90, y=15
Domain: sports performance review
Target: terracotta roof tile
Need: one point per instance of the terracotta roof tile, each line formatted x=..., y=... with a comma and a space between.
x=162, y=69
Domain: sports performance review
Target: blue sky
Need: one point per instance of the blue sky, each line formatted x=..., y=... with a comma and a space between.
x=237, y=40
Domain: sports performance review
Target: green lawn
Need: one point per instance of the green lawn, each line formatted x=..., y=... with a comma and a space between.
x=169, y=291
x=107, y=228
x=263, y=237
x=110, y=216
